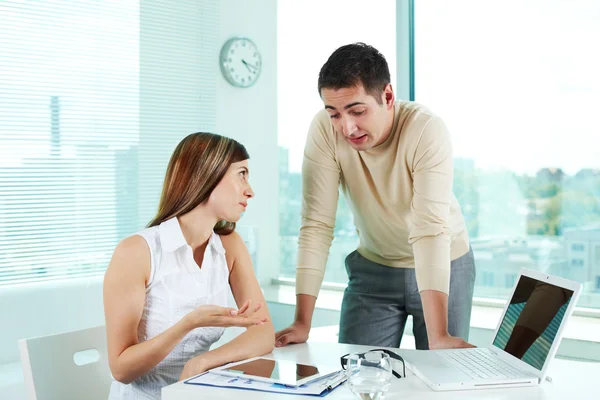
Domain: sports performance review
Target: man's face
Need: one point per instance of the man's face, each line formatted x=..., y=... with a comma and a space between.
x=358, y=116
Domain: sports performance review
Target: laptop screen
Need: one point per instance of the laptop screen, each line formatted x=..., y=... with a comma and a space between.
x=532, y=320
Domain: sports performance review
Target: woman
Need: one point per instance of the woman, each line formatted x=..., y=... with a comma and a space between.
x=166, y=288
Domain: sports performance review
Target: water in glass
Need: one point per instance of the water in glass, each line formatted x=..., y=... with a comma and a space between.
x=369, y=374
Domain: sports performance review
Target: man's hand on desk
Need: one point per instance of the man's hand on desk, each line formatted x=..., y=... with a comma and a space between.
x=296, y=333
x=435, y=310
x=448, y=342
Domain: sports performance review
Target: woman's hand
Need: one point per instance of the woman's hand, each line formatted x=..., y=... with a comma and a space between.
x=210, y=315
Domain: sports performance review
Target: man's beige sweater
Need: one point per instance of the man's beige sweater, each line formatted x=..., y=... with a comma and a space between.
x=400, y=193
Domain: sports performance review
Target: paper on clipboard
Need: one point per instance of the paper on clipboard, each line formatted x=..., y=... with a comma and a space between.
x=319, y=387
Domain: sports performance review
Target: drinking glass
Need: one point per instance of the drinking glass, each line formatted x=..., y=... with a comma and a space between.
x=369, y=374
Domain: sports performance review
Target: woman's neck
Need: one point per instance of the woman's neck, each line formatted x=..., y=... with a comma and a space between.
x=197, y=226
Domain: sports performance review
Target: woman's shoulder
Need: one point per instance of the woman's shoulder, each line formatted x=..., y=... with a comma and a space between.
x=139, y=245
x=134, y=247
x=131, y=260
x=148, y=238
x=234, y=246
x=232, y=242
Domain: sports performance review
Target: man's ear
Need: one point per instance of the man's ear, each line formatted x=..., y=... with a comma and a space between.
x=388, y=96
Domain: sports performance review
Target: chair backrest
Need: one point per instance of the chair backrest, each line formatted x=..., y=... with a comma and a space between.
x=51, y=370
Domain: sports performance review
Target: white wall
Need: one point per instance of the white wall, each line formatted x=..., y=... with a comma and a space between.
x=250, y=116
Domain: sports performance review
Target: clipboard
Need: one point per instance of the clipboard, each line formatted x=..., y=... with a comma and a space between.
x=318, y=388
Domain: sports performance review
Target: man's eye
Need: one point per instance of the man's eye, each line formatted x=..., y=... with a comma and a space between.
x=334, y=116
x=358, y=112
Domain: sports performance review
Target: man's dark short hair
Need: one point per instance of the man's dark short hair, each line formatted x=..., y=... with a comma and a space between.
x=355, y=64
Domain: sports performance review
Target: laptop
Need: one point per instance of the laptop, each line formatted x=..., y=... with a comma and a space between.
x=525, y=340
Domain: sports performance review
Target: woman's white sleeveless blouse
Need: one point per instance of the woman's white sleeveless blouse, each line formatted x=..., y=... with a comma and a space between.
x=176, y=286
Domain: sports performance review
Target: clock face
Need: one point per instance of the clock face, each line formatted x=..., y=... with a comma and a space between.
x=240, y=62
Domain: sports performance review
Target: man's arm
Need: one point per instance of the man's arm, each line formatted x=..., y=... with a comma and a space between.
x=435, y=310
x=320, y=182
x=432, y=170
x=298, y=331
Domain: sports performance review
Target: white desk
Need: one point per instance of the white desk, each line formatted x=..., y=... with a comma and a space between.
x=570, y=380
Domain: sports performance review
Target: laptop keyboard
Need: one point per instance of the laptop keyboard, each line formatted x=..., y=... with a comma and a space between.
x=480, y=363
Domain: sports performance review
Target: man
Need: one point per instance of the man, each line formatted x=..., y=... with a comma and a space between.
x=393, y=162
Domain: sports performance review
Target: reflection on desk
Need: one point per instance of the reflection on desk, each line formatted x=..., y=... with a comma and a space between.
x=570, y=380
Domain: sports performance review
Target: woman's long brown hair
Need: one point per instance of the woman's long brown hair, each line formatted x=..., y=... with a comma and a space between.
x=197, y=165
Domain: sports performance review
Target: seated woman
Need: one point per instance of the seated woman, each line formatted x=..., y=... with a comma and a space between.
x=166, y=288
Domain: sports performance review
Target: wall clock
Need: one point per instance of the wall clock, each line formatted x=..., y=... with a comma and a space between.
x=240, y=62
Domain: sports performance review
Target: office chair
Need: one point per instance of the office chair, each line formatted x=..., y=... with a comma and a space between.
x=72, y=365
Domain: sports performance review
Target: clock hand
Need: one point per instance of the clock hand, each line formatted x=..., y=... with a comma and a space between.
x=246, y=64
x=249, y=66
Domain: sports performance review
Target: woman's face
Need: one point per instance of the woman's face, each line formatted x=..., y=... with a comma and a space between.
x=230, y=197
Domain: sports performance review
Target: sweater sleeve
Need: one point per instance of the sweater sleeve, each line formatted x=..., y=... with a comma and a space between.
x=430, y=236
x=320, y=182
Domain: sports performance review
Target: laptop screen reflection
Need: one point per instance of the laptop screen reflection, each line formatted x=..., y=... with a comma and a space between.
x=532, y=320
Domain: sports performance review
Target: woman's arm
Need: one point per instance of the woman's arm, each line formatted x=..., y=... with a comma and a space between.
x=258, y=339
x=124, y=296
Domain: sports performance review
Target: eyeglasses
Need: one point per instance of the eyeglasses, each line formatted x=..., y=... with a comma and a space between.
x=344, y=361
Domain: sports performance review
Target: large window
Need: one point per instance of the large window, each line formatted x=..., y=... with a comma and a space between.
x=518, y=84
x=93, y=97
x=308, y=32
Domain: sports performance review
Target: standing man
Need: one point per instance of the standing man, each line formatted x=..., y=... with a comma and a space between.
x=393, y=162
